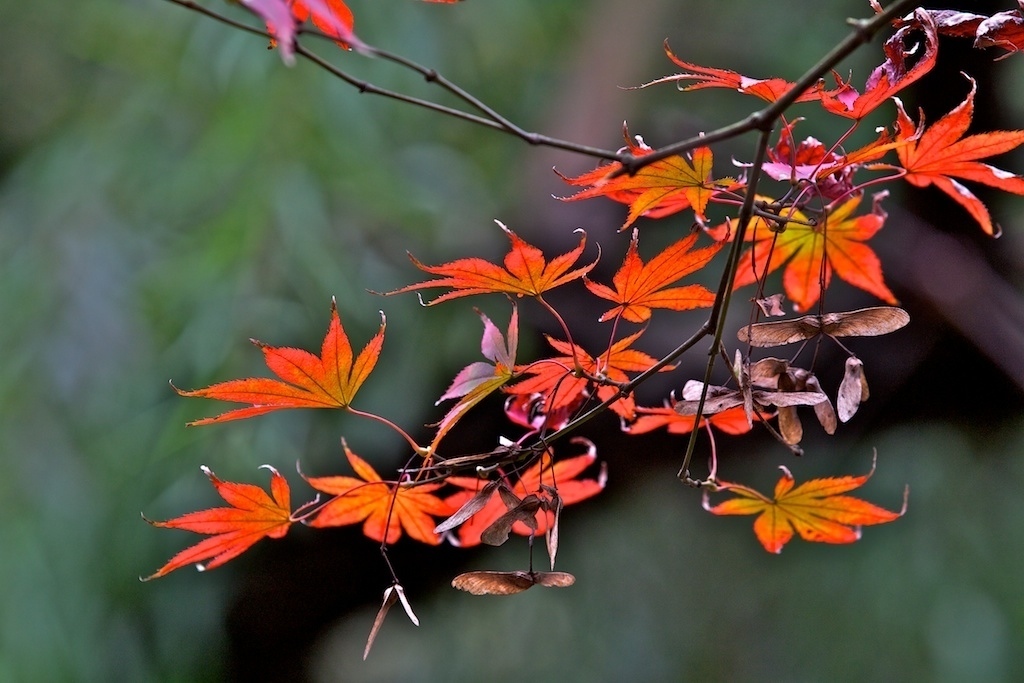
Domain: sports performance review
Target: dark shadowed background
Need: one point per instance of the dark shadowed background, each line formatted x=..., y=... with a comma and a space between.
x=168, y=189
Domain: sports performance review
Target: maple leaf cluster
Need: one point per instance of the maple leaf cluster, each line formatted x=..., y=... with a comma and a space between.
x=802, y=208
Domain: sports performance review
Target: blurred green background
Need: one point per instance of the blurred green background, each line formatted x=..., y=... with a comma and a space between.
x=168, y=189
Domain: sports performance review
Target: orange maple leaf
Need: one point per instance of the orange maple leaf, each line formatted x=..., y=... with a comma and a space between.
x=892, y=75
x=656, y=190
x=640, y=287
x=328, y=381
x=557, y=380
x=525, y=272
x=233, y=530
x=730, y=421
x=940, y=152
x=768, y=89
x=560, y=476
x=386, y=507
x=814, y=249
x=815, y=509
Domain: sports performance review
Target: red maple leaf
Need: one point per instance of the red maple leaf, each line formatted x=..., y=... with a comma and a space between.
x=328, y=381
x=658, y=189
x=730, y=421
x=939, y=153
x=813, y=249
x=892, y=75
x=816, y=510
x=639, y=287
x=333, y=17
x=826, y=171
x=555, y=378
x=385, y=508
x=768, y=89
x=233, y=530
x=282, y=18
x=525, y=272
x=560, y=476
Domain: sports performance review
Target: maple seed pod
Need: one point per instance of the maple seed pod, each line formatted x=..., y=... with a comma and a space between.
x=852, y=390
x=864, y=322
x=509, y=583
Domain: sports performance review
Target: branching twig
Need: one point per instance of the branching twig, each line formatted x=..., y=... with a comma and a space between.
x=762, y=120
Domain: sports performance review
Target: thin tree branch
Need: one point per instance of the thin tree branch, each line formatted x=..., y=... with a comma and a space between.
x=863, y=31
x=724, y=294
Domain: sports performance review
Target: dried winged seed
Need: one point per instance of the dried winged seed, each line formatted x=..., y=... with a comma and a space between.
x=554, y=504
x=789, y=425
x=779, y=332
x=712, y=404
x=824, y=411
x=554, y=579
x=852, y=390
x=469, y=508
x=508, y=497
x=525, y=512
x=864, y=322
x=781, y=399
x=508, y=583
x=493, y=583
x=390, y=598
x=766, y=371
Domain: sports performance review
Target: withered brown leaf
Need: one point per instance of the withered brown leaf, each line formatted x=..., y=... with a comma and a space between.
x=771, y=305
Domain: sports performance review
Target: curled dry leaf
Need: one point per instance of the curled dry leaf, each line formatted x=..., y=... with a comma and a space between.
x=907, y=59
x=508, y=583
x=771, y=306
x=864, y=322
